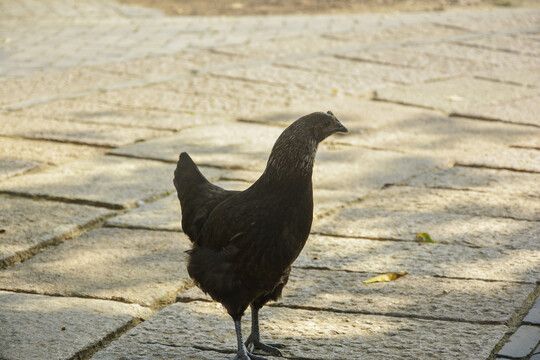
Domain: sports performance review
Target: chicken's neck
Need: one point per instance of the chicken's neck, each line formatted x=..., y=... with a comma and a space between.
x=290, y=162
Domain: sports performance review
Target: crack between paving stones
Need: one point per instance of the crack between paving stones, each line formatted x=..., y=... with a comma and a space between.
x=484, y=47
x=94, y=203
x=487, y=78
x=118, y=299
x=525, y=147
x=139, y=227
x=465, y=115
x=479, y=166
x=520, y=194
x=91, y=349
x=389, y=314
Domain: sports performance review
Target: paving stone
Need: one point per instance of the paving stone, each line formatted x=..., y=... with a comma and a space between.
x=527, y=76
x=415, y=296
x=52, y=84
x=44, y=152
x=30, y=225
x=109, y=181
x=485, y=180
x=11, y=167
x=434, y=201
x=375, y=256
x=453, y=139
x=356, y=114
x=37, y=327
x=375, y=222
x=136, y=266
x=454, y=95
x=533, y=317
x=66, y=131
x=522, y=342
x=307, y=334
x=521, y=111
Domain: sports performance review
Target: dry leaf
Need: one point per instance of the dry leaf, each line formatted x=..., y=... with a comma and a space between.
x=425, y=238
x=385, y=277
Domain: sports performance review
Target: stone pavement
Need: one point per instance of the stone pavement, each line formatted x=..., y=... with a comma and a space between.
x=97, y=100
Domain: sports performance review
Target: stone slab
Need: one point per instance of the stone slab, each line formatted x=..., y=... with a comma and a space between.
x=521, y=111
x=307, y=334
x=522, y=342
x=533, y=317
x=415, y=296
x=11, y=167
x=110, y=181
x=88, y=110
x=454, y=261
x=464, y=141
x=356, y=114
x=81, y=133
x=135, y=266
x=527, y=76
x=477, y=179
x=377, y=222
x=454, y=95
x=165, y=213
x=434, y=201
x=38, y=327
x=45, y=152
x=30, y=225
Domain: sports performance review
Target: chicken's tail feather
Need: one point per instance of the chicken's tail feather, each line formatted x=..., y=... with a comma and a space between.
x=187, y=173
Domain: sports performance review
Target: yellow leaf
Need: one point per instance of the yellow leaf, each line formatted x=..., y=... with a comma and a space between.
x=385, y=277
x=335, y=91
x=425, y=238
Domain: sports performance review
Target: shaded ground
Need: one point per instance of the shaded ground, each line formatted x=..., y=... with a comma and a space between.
x=274, y=7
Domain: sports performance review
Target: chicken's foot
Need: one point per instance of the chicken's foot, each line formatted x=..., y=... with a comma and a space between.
x=253, y=341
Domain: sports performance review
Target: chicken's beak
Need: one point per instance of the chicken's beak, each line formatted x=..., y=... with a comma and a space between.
x=339, y=127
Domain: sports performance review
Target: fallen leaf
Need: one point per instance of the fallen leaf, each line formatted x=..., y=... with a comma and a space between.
x=425, y=238
x=385, y=277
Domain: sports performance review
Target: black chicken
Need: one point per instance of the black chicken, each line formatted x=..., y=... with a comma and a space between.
x=244, y=242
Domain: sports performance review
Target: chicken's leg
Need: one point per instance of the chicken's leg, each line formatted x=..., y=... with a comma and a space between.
x=243, y=354
x=253, y=341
